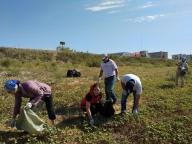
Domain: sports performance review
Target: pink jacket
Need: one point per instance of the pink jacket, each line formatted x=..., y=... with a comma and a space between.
x=32, y=89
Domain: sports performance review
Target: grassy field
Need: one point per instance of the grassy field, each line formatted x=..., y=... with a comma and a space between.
x=165, y=110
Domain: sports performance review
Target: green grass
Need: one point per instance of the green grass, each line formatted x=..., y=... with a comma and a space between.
x=165, y=110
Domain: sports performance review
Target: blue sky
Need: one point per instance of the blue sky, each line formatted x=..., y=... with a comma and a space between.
x=98, y=26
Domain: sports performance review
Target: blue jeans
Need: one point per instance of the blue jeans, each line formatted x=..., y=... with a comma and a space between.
x=109, y=86
x=124, y=101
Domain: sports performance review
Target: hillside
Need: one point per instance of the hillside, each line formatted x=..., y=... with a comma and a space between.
x=165, y=110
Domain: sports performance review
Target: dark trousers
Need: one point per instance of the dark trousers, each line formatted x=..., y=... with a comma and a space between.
x=48, y=99
x=95, y=108
x=49, y=105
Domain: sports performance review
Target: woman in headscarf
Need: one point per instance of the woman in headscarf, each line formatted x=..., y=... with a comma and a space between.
x=36, y=91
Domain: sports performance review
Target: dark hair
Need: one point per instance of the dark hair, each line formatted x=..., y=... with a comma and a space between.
x=130, y=84
x=95, y=85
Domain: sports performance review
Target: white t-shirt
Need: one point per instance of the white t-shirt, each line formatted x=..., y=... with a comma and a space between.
x=138, y=85
x=108, y=68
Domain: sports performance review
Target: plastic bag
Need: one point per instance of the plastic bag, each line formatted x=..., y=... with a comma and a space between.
x=30, y=122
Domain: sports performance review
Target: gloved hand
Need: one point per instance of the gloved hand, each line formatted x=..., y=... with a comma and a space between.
x=91, y=122
x=28, y=105
x=13, y=122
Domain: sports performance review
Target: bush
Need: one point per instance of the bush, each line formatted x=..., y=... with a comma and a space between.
x=6, y=63
x=93, y=64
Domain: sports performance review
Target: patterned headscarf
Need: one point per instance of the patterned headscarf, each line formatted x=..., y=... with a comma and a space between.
x=11, y=85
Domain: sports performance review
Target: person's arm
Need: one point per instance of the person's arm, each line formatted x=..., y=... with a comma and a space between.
x=114, y=65
x=17, y=106
x=100, y=98
x=88, y=110
x=100, y=73
x=123, y=86
x=137, y=93
x=187, y=67
x=16, y=110
x=117, y=74
x=37, y=93
x=136, y=102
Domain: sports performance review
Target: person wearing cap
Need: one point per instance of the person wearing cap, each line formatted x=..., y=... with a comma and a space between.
x=109, y=71
x=182, y=69
x=130, y=83
x=36, y=91
x=91, y=102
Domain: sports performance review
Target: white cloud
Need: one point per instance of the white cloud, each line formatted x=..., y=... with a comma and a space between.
x=106, y=5
x=111, y=2
x=113, y=12
x=145, y=18
x=150, y=18
x=147, y=5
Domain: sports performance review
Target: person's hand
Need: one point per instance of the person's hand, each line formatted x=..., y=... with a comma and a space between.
x=28, y=105
x=135, y=115
x=91, y=122
x=13, y=122
x=118, y=79
x=135, y=112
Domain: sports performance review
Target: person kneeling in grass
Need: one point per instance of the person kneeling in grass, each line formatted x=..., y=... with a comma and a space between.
x=91, y=102
x=36, y=91
x=130, y=83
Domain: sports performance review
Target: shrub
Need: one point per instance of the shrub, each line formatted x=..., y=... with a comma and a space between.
x=6, y=63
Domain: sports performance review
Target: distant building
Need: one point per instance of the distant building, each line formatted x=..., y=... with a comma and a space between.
x=161, y=55
x=126, y=54
x=136, y=54
x=144, y=54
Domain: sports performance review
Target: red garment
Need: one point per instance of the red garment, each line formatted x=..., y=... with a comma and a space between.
x=90, y=95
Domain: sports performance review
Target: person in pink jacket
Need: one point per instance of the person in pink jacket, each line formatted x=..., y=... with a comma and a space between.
x=35, y=91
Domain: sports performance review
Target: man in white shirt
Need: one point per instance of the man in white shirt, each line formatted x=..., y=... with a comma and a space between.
x=109, y=71
x=130, y=83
